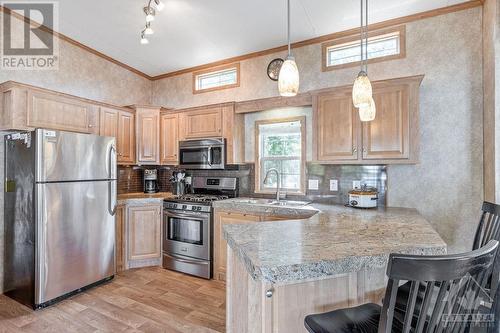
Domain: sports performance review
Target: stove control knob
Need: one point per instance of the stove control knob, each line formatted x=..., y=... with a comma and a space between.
x=199, y=208
x=184, y=206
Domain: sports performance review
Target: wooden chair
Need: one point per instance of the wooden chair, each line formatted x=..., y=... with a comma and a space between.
x=453, y=285
x=488, y=229
x=489, y=225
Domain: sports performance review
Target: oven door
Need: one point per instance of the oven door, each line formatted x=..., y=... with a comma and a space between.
x=202, y=157
x=187, y=234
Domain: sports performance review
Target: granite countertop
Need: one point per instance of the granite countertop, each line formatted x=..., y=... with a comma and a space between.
x=142, y=198
x=336, y=240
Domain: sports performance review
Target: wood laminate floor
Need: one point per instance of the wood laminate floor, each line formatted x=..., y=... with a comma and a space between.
x=138, y=300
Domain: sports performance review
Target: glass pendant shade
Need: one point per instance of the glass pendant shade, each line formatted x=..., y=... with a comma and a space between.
x=288, y=79
x=361, y=90
x=368, y=112
x=148, y=31
x=150, y=18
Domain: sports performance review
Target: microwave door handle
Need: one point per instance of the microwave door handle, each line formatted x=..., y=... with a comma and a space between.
x=209, y=159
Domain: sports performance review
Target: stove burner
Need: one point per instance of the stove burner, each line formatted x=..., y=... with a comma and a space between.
x=201, y=197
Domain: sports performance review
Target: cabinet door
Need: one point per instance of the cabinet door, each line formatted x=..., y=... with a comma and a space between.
x=387, y=137
x=202, y=123
x=220, y=244
x=126, y=138
x=120, y=234
x=108, y=122
x=148, y=136
x=144, y=232
x=337, y=127
x=169, y=144
x=57, y=112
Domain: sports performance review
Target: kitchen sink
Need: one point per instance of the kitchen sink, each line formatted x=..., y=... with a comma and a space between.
x=258, y=201
x=274, y=202
x=290, y=203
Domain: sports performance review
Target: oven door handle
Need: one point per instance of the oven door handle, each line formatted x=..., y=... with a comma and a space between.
x=209, y=159
x=206, y=216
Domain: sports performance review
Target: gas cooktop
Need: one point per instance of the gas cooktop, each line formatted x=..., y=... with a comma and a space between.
x=200, y=198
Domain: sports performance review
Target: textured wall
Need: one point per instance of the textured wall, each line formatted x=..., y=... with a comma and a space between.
x=446, y=187
x=84, y=74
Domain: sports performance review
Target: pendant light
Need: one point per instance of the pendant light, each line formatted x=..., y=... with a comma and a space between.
x=288, y=78
x=362, y=88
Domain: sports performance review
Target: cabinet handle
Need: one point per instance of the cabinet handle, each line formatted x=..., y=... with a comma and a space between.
x=90, y=125
x=269, y=292
x=364, y=150
x=354, y=150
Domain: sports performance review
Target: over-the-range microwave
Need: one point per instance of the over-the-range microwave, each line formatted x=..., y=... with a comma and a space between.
x=203, y=154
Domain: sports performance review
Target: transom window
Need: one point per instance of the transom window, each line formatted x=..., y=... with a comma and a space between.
x=382, y=45
x=280, y=146
x=217, y=78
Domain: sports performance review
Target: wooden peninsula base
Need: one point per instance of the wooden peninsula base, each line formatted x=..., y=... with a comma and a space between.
x=258, y=306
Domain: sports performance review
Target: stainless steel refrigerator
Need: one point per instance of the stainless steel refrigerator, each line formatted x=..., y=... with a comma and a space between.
x=60, y=200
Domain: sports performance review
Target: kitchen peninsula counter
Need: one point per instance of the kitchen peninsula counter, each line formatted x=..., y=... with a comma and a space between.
x=335, y=258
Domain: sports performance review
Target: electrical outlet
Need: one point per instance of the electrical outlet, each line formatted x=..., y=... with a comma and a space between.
x=356, y=184
x=313, y=184
x=334, y=185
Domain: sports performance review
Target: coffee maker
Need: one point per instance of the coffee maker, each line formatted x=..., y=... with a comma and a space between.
x=151, y=181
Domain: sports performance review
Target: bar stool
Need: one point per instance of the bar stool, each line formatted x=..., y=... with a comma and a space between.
x=453, y=285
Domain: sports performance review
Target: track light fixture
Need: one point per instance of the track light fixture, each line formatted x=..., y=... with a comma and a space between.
x=150, y=11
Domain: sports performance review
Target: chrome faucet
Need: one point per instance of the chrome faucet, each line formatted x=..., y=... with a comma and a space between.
x=278, y=182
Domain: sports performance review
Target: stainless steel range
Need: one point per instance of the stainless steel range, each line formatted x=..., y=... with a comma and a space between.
x=188, y=225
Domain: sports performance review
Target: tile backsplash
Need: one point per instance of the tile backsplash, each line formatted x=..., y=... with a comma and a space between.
x=130, y=180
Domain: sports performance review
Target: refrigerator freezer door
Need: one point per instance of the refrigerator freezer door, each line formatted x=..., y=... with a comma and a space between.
x=66, y=156
x=75, y=237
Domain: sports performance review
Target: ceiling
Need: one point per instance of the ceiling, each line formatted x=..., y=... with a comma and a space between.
x=189, y=33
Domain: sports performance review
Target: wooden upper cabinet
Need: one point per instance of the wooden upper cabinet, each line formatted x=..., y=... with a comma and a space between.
x=201, y=123
x=387, y=137
x=169, y=142
x=126, y=138
x=337, y=127
x=119, y=124
x=59, y=112
x=148, y=135
x=109, y=122
x=392, y=138
x=144, y=232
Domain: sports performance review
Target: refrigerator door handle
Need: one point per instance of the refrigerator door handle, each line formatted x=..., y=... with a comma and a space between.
x=111, y=194
x=111, y=183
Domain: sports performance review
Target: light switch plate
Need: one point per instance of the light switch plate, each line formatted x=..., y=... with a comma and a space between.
x=334, y=185
x=313, y=184
x=356, y=184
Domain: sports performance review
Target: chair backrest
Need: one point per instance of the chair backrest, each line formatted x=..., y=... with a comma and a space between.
x=489, y=225
x=453, y=286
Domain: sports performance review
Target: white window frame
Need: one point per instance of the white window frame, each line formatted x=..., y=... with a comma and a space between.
x=259, y=177
x=354, y=40
x=214, y=71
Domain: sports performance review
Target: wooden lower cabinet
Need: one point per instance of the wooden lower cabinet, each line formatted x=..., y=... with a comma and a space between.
x=119, y=238
x=222, y=218
x=143, y=235
x=220, y=245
